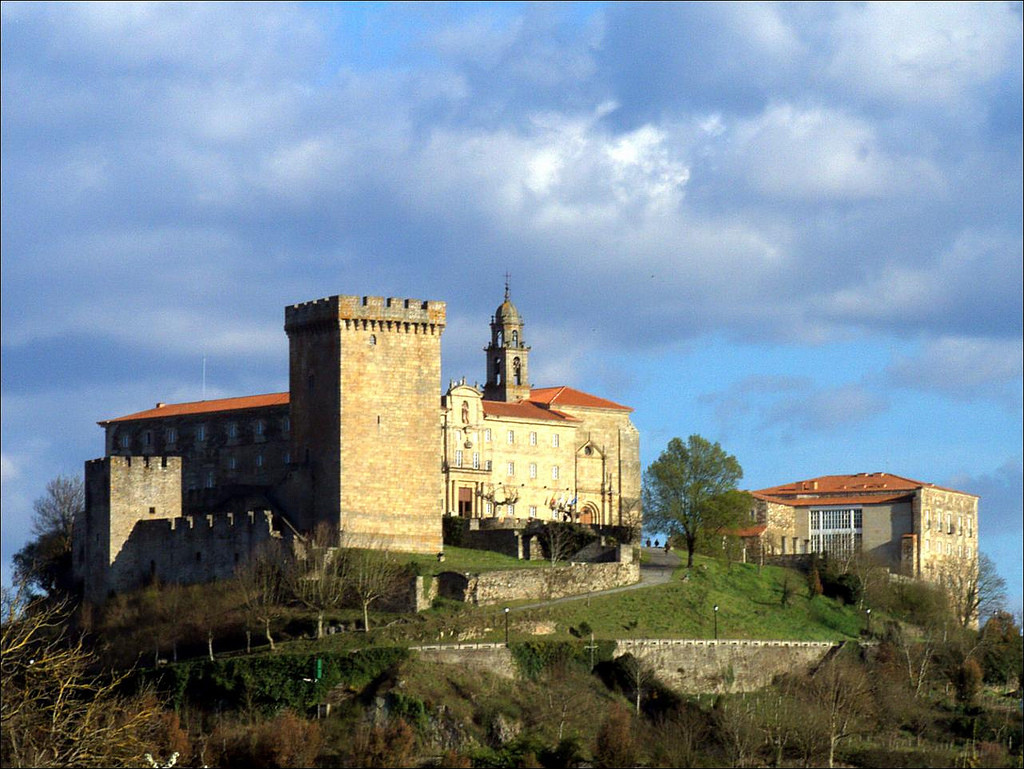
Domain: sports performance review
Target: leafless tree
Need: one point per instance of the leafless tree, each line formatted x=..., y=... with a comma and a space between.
x=974, y=586
x=260, y=584
x=56, y=711
x=558, y=539
x=45, y=561
x=631, y=518
x=640, y=667
x=841, y=692
x=371, y=574
x=315, y=574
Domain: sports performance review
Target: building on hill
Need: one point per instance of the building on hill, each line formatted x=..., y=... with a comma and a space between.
x=360, y=442
x=913, y=527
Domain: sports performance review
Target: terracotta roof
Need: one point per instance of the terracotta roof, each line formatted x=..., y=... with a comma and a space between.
x=860, y=483
x=524, y=410
x=567, y=396
x=205, y=407
x=826, y=500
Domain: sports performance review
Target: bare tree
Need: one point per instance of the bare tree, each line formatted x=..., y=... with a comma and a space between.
x=260, y=584
x=55, y=710
x=559, y=540
x=45, y=561
x=974, y=586
x=371, y=574
x=316, y=574
x=841, y=692
x=631, y=518
x=640, y=668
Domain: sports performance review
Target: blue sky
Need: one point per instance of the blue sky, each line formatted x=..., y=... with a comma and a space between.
x=795, y=229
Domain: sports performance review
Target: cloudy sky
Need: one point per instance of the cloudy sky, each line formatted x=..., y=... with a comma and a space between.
x=793, y=229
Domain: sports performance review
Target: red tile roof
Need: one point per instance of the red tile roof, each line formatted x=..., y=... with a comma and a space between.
x=568, y=396
x=750, y=531
x=524, y=410
x=205, y=407
x=829, y=500
x=858, y=485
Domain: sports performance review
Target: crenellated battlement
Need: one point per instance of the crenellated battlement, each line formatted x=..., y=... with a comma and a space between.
x=364, y=310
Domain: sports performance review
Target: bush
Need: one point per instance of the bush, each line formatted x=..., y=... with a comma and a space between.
x=615, y=745
x=285, y=741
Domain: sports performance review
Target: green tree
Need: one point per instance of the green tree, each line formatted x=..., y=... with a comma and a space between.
x=44, y=563
x=690, y=491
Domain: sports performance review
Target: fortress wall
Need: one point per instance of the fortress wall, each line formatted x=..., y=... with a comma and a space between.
x=190, y=549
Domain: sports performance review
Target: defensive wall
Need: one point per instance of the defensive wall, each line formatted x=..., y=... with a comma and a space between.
x=687, y=666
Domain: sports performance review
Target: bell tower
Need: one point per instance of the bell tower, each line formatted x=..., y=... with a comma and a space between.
x=507, y=356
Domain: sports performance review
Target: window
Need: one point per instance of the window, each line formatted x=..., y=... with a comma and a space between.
x=487, y=465
x=260, y=427
x=286, y=424
x=511, y=437
x=970, y=526
x=533, y=469
x=147, y=438
x=201, y=432
x=511, y=468
x=287, y=457
x=554, y=472
x=210, y=480
x=533, y=439
x=126, y=441
x=533, y=511
x=927, y=519
x=949, y=523
x=554, y=440
x=259, y=461
x=458, y=436
x=511, y=510
x=960, y=524
x=488, y=508
x=476, y=460
x=232, y=463
x=171, y=436
x=232, y=430
x=836, y=530
x=487, y=435
x=373, y=339
x=458, y=458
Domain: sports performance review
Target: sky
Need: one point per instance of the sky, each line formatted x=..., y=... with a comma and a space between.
x=794, y=229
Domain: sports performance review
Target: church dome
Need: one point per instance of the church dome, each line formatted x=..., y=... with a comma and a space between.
x=507, y=313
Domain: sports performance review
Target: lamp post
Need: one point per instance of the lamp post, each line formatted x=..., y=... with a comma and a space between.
x=506, y=627
x=716, y=621
x=868, y=613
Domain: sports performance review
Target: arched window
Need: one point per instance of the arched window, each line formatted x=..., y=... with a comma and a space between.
x=515, y=338
x=517, y=372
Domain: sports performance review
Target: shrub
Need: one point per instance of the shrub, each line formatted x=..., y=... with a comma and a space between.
x=615, y=745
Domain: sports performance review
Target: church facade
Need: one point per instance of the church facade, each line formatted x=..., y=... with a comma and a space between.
x=363, y=441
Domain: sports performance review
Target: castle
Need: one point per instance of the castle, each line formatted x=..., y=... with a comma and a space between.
x=360, y=442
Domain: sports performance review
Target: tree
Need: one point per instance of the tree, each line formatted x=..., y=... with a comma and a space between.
x=559, y=540
x=57, y=711
x=371, y=575
x=316, y=574
x=44, y=563
x=974, y=586
x=841, y=692
x=260, y=584
x=690, y=491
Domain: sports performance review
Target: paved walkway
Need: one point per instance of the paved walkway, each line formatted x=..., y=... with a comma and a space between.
x=655, y=569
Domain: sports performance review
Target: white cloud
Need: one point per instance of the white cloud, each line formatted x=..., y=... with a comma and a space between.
x=934, y=53
x=964, y=368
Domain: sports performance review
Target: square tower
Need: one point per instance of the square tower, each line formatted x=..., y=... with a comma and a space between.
x=365, y=381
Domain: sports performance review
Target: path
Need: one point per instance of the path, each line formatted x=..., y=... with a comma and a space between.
x=656, y=569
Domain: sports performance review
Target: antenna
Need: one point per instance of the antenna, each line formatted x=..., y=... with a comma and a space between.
x=507, y=278
x=204, y=377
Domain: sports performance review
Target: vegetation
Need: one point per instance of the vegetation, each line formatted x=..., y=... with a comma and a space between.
x=690, y=492
x=44, y=563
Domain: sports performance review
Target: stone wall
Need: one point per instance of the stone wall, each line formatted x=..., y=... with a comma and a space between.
x=539, y=584
x=724, y=666
x=688, y=666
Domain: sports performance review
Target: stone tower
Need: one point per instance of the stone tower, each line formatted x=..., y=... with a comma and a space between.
x=365, y=376
x=507, y=356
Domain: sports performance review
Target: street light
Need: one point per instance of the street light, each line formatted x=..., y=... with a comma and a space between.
x=506, y=627
x=716, y=621
x=868, y=612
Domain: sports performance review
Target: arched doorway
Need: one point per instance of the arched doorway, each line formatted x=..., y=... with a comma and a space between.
x=589, y=513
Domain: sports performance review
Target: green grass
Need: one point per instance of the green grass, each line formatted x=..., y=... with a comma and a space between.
x=466, y=560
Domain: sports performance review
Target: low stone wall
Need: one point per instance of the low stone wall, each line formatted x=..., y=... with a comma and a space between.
x=699, y=667
x=548, y=583
x=487, y=658
x=688, y=666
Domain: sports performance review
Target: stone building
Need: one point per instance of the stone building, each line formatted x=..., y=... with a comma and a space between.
x=363, y=441
x=553, y=453
x=914, y=528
